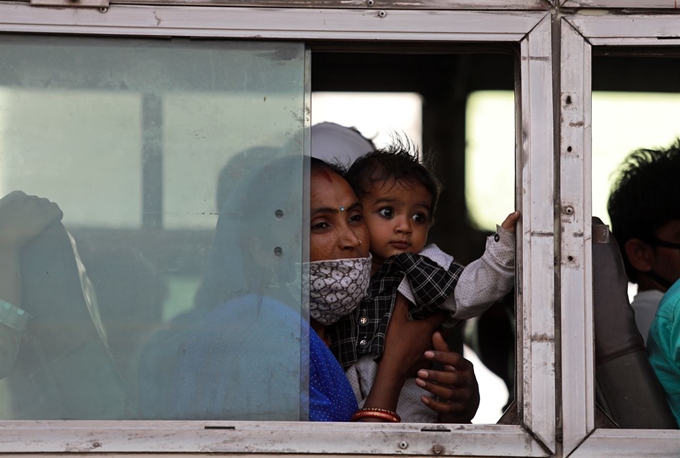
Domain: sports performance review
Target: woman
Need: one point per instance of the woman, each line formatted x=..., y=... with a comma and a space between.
x=237, y=356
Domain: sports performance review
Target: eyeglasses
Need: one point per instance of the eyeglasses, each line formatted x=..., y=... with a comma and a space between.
x=662, y=243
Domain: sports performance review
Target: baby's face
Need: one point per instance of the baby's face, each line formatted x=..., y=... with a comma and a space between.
x=398, y=216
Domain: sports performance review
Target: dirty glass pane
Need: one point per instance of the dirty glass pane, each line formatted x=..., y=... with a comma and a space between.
x=170, y=287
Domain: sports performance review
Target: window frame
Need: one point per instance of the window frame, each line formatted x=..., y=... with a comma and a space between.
x=579, y=33
x=363, y=4
x=535, y=180
x=610, y=4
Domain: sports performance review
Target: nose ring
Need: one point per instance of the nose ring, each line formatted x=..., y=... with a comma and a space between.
x=359, y=242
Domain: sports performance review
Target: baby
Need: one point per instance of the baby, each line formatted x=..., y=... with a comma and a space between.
x=399, y=196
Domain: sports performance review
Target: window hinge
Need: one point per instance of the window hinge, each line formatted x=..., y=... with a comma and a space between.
x=103, y=5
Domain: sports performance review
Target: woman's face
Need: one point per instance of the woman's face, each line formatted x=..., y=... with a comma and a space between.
x=338, y=230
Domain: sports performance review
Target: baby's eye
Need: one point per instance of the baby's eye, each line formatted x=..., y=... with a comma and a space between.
x=386, y=212
x=419, y=218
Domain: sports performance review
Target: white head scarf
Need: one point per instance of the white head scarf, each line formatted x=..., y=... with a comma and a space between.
x=336, y=144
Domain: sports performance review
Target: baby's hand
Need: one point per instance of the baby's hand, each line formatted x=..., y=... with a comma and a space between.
x=511, y=221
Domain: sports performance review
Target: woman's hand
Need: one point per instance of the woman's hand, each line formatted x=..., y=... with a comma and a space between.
x=407, y=340
x=455, y=385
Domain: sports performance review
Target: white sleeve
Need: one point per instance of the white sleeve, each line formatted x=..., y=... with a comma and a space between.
x=487, y=279
x=433, y=253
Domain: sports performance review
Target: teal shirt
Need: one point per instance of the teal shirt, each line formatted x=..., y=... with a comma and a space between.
x=663, y=346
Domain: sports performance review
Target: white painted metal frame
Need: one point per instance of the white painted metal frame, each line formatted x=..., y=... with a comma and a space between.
x=253, y=23
x=623, y=30
x=579, y=34
x=537, y=286
x=621, y=4
x=370, y=4
x=536, y=173
x=575, y=241
x=337, y=4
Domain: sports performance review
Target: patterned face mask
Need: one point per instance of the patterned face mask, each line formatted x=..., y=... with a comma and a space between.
x=336, y=287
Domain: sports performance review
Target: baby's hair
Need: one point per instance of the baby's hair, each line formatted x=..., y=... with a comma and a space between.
x=397, y=162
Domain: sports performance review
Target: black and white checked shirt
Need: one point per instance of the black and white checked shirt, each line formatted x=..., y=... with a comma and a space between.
x=362, y=332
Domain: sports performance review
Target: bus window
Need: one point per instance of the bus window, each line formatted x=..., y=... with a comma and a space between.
x=443, y=56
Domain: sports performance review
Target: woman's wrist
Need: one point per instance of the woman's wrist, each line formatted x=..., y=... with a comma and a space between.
x=389, y=380
x=376, y=414
x=393, y=369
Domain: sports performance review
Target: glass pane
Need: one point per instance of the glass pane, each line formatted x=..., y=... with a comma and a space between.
x=170, y=289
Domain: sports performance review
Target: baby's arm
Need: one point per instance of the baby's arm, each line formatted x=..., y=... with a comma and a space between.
x=484, y=281
x=489, y=278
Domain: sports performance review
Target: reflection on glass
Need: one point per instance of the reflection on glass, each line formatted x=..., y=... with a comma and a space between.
x=132, y=305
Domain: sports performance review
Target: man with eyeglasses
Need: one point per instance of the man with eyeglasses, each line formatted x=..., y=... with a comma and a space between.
x=644, y=208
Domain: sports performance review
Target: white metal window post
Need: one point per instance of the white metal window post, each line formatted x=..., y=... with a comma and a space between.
x=531, y=30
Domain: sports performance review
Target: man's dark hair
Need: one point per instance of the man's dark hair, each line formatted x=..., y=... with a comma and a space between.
x=645, y=196
x=397, y=162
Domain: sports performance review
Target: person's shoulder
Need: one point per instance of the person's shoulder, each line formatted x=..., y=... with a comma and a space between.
x=669, y=306
x=260, y=311
x=673, y=293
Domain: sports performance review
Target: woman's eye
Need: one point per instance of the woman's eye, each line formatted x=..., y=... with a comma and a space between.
x=321, y=225
x=386, y=212
x=356, y=218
